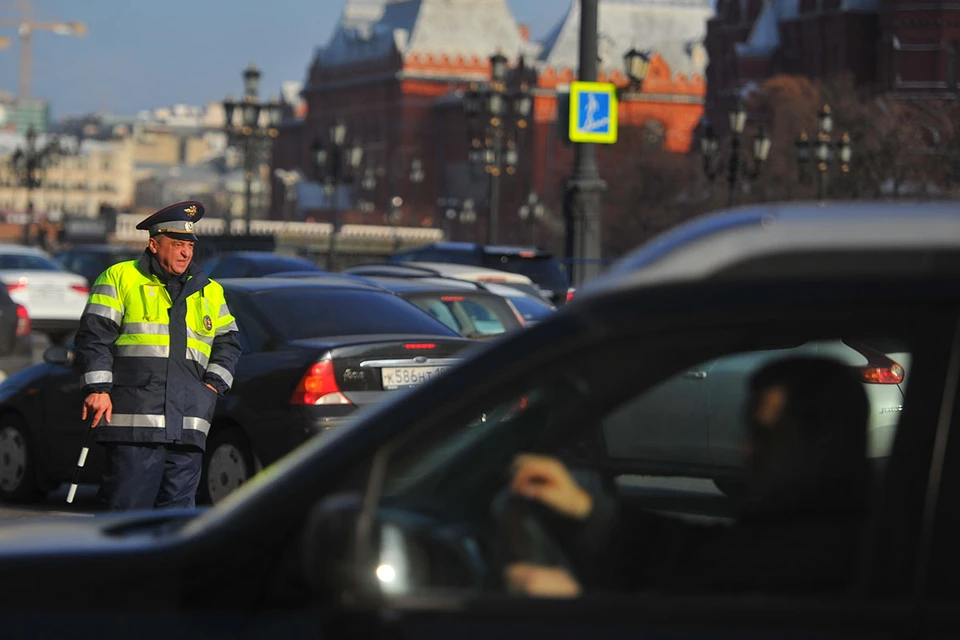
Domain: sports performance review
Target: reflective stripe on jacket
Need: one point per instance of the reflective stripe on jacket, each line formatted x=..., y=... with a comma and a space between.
x=154, y=355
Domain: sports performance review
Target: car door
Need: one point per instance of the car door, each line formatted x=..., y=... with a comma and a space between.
x=64, y=431
x=878, y=602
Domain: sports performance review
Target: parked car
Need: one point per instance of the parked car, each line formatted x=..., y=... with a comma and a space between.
x=538, y=265
x=313, y=354
x=393, y=524
x=467, y=273
x=532, y=308
x=54, y=297
x=91, y=260
x=254, y=264
x=16, y=338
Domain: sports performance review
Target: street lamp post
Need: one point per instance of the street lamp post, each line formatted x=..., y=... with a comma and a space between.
x=496, y=121
x=737, y=163
x=335, y=167
x=29, y=165
x=252, y=139
x=532, y=212
x=823, y=151
x=636, y=65
x=289, y=179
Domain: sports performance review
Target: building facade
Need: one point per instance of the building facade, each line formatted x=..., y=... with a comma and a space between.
x=394, y=72
x=96, y=174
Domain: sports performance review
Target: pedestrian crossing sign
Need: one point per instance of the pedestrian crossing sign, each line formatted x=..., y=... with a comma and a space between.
x=593, y=112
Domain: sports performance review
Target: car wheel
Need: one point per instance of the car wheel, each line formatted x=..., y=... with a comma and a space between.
x=18, y=481
x=227, y=464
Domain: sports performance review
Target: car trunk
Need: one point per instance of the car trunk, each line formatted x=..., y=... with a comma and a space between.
x=367, y=367
x=46, y=293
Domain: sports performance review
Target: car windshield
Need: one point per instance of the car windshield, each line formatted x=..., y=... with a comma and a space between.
x=472, y=316
x=531, y=309
x=545, y=271
x=26, y=262
x=302, y=313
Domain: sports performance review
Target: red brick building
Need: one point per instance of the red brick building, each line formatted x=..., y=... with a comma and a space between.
x=906, y=47
x=395, y=70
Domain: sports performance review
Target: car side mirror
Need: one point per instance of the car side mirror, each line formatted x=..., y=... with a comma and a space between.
x=59, y=355
x=329, y=546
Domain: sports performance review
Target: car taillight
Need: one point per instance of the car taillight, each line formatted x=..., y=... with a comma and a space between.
x=79, y=288
x=570, y=293
x=23, y=321
x=889, y=374
x=879, y=369
x=19, y=286
x=415, y=346
x=319, y=387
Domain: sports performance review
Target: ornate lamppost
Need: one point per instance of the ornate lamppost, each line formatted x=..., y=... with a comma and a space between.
x=289, y=179
x=533, y=212
x=335, y=166
x=736, y=162
x=253, y=140
x=496, y=120
x=825, y=150
x=636, y=65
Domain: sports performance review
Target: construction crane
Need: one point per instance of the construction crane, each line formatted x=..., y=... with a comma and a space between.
x=26, y=25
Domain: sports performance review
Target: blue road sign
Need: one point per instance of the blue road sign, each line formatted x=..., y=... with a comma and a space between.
x=593, y=112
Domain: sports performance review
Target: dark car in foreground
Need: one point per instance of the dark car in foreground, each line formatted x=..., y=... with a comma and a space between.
x=254, y=264
x=401, y=524
x=538, y=265
x=313, y=354
x=91, y=260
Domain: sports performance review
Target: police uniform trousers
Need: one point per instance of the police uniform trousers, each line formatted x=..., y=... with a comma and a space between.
x=147, y=476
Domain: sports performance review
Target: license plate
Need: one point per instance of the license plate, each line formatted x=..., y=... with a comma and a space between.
x=404, y=377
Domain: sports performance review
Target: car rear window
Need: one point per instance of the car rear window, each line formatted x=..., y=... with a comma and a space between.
x=302, y=313
x=531, y=309
x=21, y=262
x=469, y=315
x=545, y=271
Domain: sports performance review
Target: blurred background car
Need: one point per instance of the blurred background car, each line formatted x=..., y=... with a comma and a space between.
x=254, y=264
x=90, y=261
x=467, y=273
x=538, y=265
x=16, y=340
x=313, y=354
x=467, y=308
x=54, y=297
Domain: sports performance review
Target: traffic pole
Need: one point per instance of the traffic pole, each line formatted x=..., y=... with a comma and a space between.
x=80, y=462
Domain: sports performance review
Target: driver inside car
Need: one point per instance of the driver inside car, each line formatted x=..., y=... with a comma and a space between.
x=799, y=528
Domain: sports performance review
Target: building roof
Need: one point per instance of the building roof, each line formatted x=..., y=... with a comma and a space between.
x=373, y=29
x=675, y=29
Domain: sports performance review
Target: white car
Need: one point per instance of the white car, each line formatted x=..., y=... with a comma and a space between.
x=54, y=297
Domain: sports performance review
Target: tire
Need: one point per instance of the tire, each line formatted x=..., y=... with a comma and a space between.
x=227, y=464
x=18, y=478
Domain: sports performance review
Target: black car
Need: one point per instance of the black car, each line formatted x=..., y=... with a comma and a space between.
x=466, y=307
x=254, y=264
x=313, y=354
x=16, y=338
x=538, y=265
x=90, y=261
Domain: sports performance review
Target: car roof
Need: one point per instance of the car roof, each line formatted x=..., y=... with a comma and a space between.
x=261, y=256
x=466, y=271
x=257, y=285
x=22, y=250
x=792, y=240
x=499, y=249
x=410, y=285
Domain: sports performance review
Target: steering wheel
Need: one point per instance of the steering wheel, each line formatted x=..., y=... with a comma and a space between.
x=522, y=536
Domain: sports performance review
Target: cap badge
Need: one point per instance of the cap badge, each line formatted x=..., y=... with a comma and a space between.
x=188, y=226
x=191, y=210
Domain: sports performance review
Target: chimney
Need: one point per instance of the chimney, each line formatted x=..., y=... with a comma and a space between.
x=525, y=32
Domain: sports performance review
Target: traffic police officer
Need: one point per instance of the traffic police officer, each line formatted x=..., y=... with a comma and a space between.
x=156, y=346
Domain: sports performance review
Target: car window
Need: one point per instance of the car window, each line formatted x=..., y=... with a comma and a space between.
x=531, y=309
x=302, y=313
x=658, y=435
x=469, y=315
x=265, y=267
x=229, y=267
x=24, y=262
x=252, y=334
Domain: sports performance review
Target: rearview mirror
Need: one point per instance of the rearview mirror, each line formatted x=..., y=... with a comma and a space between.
x=58, y=355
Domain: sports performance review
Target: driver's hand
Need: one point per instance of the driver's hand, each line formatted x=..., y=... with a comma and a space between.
x=541, y=582
x=548, y=480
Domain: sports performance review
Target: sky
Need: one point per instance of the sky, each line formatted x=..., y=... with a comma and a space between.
x=142, y=54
